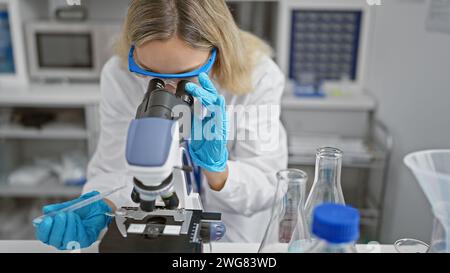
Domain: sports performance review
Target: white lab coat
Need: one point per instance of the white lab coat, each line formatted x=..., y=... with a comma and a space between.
x=246, y=199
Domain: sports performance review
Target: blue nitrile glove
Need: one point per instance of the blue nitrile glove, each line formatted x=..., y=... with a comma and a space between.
x=81, y=226
x=208, y=146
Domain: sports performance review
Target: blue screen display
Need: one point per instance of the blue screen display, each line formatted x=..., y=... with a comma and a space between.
x=324, y=45
x=6, y=50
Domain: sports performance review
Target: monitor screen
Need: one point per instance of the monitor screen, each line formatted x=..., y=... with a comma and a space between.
x=64, y=50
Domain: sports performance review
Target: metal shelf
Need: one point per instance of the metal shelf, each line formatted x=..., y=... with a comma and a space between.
x=310, y=161
x=20, y=132
x=375, y=159
x=54, y=190
x=50, y=95
x=356, y=102
x=358, y=153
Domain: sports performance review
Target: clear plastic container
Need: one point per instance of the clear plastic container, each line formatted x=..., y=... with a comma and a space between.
x=336, y=229
x=440, y=238
x=327, y=181
x=432, y=170
x=287, y=228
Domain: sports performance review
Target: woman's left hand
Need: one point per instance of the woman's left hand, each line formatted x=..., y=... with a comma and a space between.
x=209, y=135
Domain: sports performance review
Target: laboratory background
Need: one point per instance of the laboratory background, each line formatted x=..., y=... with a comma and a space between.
x=370, y=77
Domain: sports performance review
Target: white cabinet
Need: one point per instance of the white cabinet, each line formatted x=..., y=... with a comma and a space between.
x=21, y=144
x=74, y=127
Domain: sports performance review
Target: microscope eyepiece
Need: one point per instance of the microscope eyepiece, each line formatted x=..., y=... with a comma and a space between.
x=156, y=84
x=182, y=94
x=158, y=102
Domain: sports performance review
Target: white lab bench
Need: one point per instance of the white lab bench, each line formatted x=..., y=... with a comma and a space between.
x=38, y=247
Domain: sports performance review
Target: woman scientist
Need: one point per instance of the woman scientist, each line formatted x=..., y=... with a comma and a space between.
x=178, y=37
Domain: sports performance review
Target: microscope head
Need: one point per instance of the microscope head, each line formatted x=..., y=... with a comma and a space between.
x=153, y=143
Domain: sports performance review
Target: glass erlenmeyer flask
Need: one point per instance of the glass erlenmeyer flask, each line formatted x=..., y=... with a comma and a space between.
x=287, y=221
x=327, y=181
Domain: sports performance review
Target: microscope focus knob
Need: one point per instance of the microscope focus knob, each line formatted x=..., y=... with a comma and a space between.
x=212, y=230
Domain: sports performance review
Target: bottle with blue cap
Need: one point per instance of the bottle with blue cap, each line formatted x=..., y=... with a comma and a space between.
x=336, y=228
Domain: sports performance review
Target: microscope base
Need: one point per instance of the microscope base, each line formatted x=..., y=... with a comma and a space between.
x=158, y=232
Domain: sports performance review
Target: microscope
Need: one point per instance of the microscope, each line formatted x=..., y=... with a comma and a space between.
x=169, y=216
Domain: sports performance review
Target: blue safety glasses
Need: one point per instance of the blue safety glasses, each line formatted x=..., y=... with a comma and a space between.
x=135, y=68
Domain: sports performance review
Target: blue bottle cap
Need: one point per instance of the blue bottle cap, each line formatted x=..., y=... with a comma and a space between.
x=335, y=223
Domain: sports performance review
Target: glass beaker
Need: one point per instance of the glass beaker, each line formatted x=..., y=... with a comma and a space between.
x=287, y=222
x=327, y=181
x=409, y=245
x=440, y=237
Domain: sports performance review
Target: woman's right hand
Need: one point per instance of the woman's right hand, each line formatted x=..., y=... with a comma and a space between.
x=79, y=228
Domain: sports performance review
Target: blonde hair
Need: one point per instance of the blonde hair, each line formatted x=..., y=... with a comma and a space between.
x=202, y=24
